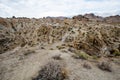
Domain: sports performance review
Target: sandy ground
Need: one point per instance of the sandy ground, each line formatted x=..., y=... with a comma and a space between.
x=19, y=65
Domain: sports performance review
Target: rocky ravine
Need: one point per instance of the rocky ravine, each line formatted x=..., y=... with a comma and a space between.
x=87, y=49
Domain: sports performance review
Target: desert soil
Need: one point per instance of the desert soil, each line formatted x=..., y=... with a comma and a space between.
x=23, y=63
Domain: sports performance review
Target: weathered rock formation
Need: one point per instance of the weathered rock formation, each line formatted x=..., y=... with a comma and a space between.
x=80, y=32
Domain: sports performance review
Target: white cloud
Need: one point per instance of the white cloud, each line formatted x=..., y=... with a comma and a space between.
x=40, y=8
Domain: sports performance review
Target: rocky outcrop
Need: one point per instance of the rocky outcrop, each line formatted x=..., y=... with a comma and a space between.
x=93, y=17
x=113, y=19
x=81, y=33
x=80, y=18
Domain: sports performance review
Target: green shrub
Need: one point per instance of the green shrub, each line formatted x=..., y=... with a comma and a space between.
x=94, y=57
x=82, y=55
x=116, y=53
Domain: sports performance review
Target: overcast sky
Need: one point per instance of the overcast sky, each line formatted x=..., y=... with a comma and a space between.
x=41, y=8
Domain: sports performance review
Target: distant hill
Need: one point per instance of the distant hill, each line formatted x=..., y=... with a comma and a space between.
x=93, y=17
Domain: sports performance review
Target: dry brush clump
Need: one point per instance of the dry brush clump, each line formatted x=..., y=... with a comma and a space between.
x=107, y=66
x=87, y=65
x=52, y=71
x=114, y=53
x=57, y=57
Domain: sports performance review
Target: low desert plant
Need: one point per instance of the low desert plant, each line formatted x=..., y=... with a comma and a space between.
x=57, y=57
x=87, y=65
x=28, y=52
x=52, y=71
x=64, y=51
x=82, y=55
x=95, y=57
x=42, y=48
x=71, y=49
x=116, y=52
x=51, y=49
x=60, y=47
x=105, y=66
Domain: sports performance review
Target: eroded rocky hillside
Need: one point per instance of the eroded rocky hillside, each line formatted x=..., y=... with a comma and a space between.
x=94, y=37
x=60, y=48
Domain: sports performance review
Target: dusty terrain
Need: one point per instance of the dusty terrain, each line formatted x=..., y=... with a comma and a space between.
x=87, y=47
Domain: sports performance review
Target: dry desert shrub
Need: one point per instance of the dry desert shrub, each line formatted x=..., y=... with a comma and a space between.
x=60, y=47
x=105, y=66
x=57, y=57
x=52, y=71
x=87, y=65
x=28, y=52
x=114, y=52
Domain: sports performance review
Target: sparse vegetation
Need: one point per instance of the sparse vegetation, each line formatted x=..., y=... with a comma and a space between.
x=42, y=47
x=84, y=39
x=52, y=71
x=28, y=52
x=87, y=65
x=105, y=66
x=57, y=57
x=60, y=47
x=82, y=55
x=51, y=49
x=115, y=52
x=95, y=57
x=64, y=51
